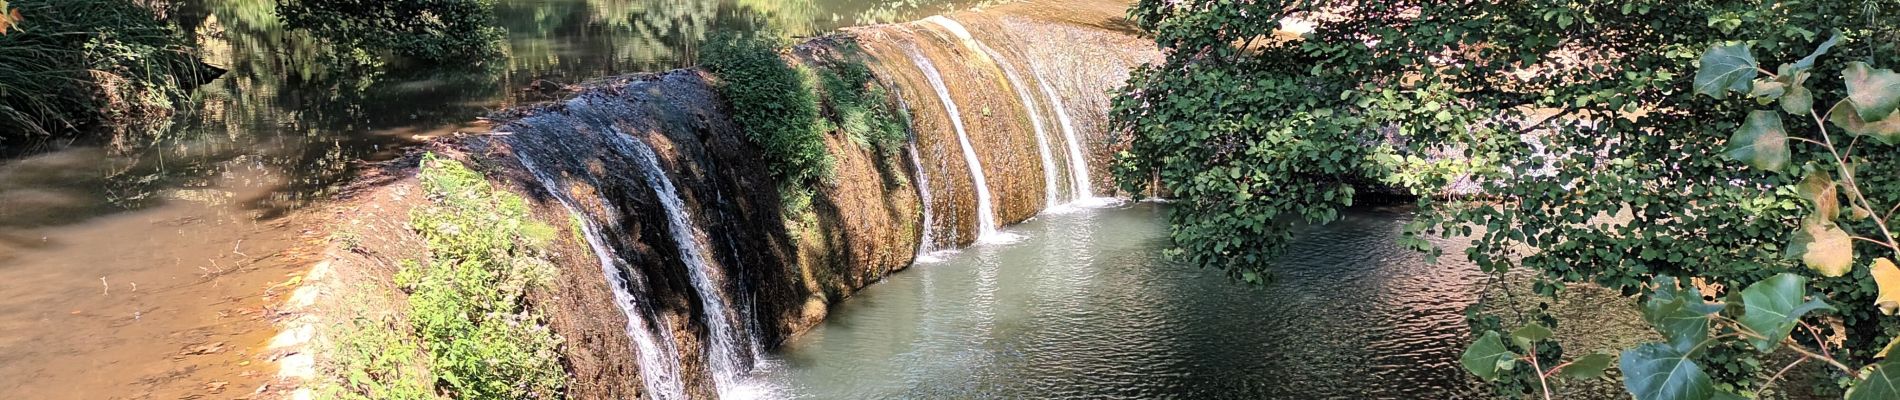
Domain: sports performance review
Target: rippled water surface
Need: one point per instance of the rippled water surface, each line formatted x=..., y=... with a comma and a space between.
x=1086, y=308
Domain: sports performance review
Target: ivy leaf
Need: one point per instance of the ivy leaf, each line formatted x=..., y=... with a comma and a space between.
x=1875, y=92
x=1822, y=192
x=1880, y=382
x=1487, y=357
x=1823, y=246
x=1680, y=315
x=1654, y=371
x=1848, y=118
x=1725, y=68
x=1586, y=367
x=1774, y=306
x=1887, y=277
x=1761, y=142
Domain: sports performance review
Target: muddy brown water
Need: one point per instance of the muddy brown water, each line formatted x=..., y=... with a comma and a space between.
x=150, y=271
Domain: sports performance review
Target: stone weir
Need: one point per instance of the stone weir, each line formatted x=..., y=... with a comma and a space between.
x=678, y=260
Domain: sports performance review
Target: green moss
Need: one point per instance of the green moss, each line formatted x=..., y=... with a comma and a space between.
x=467, y=308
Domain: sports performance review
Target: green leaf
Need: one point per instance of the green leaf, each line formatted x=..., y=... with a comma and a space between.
x=1879, y=382
x=1848, y=118
x=1532, y=332
x=1725, y=68
x=1654, y=371
x=1766, y=91
x=1586, y=367
x=1823, y=246
x=1487, y=357
x=1798, y=101
x=1874, y=92
x=1761, y=142
x=1680, y=315
x=1808, y=62
x=1774, y=306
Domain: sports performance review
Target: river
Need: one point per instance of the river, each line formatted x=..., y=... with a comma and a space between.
x=1086, y=306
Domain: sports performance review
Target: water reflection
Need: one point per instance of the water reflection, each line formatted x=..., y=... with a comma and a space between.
x=1084, y=308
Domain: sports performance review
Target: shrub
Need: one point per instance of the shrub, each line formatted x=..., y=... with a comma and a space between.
x=468, y=303
x=773, y=103
x=72, y=67
x=466, y=307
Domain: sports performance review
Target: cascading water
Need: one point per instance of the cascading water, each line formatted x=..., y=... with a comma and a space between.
x=1078, y=162
x=729, y=347
x=926, y=244
x=659, y=360
x=985, y=213
x=1022, y=93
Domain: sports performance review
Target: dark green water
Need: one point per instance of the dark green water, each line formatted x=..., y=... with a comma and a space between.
x=1085, y=307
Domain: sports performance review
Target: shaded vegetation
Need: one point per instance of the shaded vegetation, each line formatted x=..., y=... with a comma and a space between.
x=427, y=31
x=773, y=103
x=467, y=307
x=859, y=106
x=1578, y=140
x=72, y=68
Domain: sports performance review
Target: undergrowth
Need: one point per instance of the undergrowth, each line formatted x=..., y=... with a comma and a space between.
x=860, y=107
x=467, y=310
x=774, y=104
x=787, y=110
x=69, y=68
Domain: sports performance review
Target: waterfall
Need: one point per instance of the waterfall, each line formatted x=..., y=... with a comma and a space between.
x=726, y=341
x=1078, y=162
x=659, y=362
x=926, y=244
x=985, y=213
x=1022, y=93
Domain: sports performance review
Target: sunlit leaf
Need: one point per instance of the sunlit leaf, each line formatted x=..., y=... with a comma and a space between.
x=1725, y=68
x=1883, y=352
x=1844, y=115
x=1822, y=192
x=1887, y=277
x=1774, y=306
x=1875, y=92
x=1768, y=90
x=1488, y=357
x=1761, y=142
x=1587, y=367
x=1823, y=246
x=1878, y=382
x=1654, y=371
